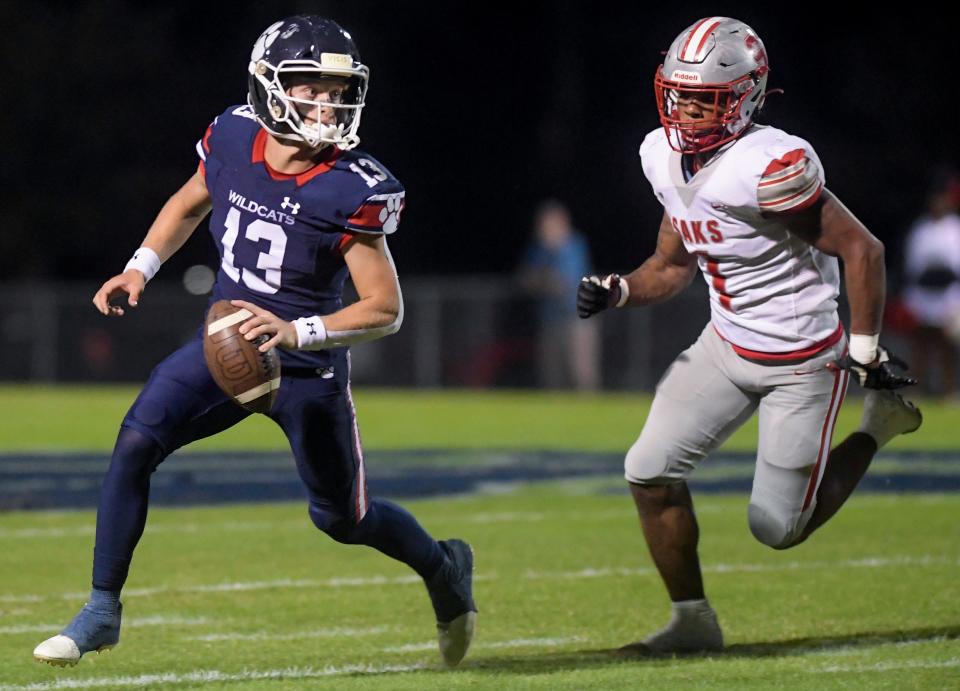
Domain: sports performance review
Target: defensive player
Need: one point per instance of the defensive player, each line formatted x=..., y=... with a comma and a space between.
x=747, y=205
x=295, y=208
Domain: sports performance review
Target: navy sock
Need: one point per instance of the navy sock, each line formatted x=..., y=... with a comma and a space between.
x=389, y=528
x=122, y=513
x=106, y=601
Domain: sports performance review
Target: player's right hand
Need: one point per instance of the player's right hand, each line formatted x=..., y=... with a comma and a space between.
x=879, y=374
x=597, y=293
x=129, y=282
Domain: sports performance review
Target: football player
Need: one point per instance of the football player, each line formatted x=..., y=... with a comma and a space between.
x=294, y=208
x=746, y=204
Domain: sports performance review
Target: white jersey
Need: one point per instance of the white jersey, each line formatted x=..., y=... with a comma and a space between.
x=770, y=291
x=933, y=244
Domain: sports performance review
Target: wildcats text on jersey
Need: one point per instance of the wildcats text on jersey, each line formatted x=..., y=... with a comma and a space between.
x=241, y=202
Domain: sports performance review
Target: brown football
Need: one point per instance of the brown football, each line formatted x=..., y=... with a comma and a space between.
x=245, y=374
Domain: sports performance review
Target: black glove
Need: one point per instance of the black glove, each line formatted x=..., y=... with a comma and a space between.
x=597, y=293
x=883, y=376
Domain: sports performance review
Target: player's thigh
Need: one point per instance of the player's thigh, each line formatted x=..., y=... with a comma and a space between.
x=695, y=409
x=797, y=419
x=319, y=419
x=181, y=403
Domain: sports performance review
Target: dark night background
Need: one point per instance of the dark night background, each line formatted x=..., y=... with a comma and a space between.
x=481, y=109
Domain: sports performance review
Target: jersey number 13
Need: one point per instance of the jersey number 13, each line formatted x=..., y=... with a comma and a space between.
x=270, y=262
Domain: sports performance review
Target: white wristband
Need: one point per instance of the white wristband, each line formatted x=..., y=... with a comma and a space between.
x=311, y=332
x=863, y=347
x=624, y=292
x=624, y=288
x=146, y=261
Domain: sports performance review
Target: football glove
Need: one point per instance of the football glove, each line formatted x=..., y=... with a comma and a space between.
x=597, y=293
x=882, y=376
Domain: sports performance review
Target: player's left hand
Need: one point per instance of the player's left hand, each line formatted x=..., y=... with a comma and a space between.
x=879, y=374
x=283, y=334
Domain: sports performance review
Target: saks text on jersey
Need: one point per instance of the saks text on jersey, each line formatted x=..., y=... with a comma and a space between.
x=693, y=231
x=260, y=210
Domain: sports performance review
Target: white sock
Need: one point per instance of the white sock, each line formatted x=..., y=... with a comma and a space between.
x=690, y=609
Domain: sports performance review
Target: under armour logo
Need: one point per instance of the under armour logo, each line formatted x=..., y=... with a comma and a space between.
x=293, y=206
x=313, y=331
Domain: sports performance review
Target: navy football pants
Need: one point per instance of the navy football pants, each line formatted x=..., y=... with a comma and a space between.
x=181, y=403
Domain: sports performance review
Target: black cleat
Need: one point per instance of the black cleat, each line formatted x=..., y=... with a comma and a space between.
x=451, y=593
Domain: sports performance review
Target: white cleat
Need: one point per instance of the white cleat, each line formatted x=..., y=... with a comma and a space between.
x=59, y=651
x=887, y=414
x=692, y=631
x=62, y=651
x=455, y=636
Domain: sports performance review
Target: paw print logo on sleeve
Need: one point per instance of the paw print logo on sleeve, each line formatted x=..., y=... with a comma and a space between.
x=390, y=213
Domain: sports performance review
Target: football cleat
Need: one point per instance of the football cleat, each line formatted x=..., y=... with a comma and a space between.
x=90, y=630
x=887, y=414
x=451, y=593
x=695, y=631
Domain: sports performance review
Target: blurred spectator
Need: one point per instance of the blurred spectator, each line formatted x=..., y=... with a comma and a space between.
x=932, y=294
x=555, y=261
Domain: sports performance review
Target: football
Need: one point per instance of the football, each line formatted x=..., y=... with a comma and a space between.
x=245, y=374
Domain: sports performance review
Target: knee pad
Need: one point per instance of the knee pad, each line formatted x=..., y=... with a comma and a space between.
x=774, y=531
x=649, y=464
x=135, y=453
x=341, y=528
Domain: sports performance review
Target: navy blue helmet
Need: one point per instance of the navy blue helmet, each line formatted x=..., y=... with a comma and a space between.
x=313, y=47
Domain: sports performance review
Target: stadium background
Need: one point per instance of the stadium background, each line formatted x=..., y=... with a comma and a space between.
x=482, y=110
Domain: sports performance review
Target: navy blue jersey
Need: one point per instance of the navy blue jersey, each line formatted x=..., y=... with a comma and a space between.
x=281, y=237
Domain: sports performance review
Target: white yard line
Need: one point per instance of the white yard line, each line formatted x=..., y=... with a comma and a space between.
x=584, y=573
x=863, y=563
x=334, y=632
x=868, y=645
x=158, y=620
x=213, y=676
x=176, y=529
x=495, y=645
x=886, y=666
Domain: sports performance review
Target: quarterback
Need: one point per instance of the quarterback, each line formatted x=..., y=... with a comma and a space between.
x=294, y=209
x=747, y=206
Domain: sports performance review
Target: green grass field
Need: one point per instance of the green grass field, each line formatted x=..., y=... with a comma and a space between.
x=253, y=597
x=44, y=418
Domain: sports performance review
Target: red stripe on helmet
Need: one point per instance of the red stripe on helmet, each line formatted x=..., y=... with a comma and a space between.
x=690, y=36
x=703, y=41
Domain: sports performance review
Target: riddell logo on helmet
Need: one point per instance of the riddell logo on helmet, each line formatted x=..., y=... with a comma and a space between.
x=688, y=77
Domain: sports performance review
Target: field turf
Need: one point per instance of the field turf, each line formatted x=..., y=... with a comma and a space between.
x=87, y=418
x=253, y=597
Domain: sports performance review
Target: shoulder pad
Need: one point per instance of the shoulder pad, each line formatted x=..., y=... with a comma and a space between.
x=373, y=199
x=792, y=178
x=233, y=125
x=653, y=138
